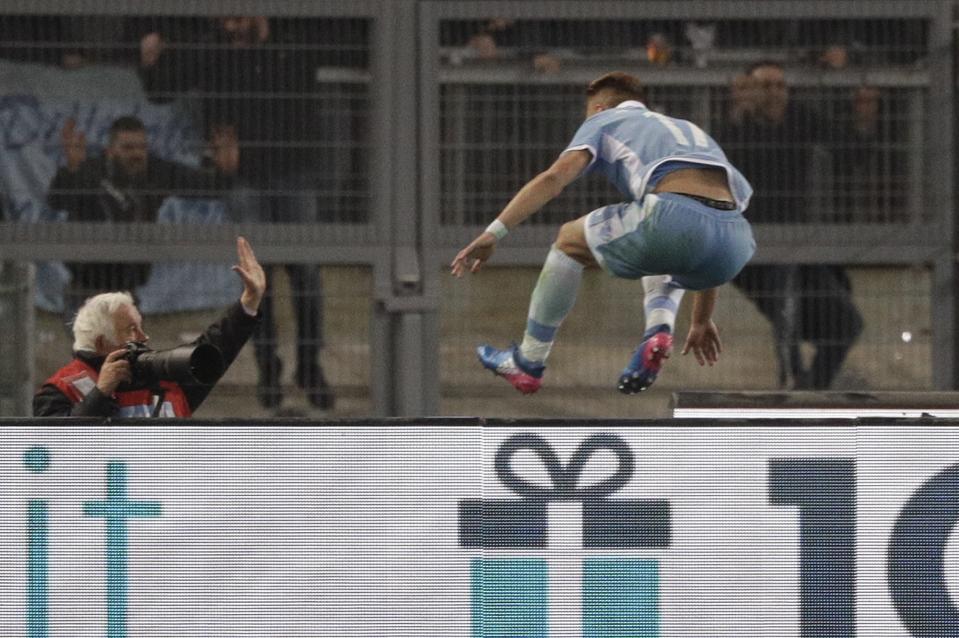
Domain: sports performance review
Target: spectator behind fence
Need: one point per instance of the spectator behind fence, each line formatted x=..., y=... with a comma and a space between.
x=100, y=380
x=126, y=184
x=871, y=182
x=68, y=41
x=259, y=81
x=771, y=138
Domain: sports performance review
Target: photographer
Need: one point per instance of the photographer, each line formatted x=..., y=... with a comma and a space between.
x=102, y=381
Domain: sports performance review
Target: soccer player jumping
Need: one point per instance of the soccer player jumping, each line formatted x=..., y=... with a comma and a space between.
x=681, y=228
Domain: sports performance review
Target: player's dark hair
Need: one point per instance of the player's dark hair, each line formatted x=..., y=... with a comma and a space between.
x=617, y=87
x=126, y=124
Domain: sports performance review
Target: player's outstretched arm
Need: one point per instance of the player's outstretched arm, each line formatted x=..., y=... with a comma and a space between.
x=533, y=196
x=703, y=338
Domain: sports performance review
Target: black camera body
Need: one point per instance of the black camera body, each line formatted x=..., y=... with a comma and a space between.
x=200, y=364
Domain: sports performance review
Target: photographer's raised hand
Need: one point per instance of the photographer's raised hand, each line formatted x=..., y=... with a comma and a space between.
x=115, y=370
x=250, y=271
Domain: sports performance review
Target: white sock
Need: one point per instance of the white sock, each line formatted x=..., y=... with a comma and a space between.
x=661, y=302
x=552, y=299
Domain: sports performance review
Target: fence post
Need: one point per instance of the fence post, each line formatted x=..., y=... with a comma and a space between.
x=941, y=197
x=404, y=318
x=16, y=346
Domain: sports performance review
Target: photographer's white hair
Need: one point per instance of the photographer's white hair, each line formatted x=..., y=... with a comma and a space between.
x=95, y=319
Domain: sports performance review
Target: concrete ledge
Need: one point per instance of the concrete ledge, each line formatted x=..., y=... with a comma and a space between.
x=803, y=404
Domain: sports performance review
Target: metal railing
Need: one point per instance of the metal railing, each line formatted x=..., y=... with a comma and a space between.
x=420, y=120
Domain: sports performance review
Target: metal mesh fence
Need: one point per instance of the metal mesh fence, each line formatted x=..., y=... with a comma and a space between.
x=276, y=107
x=495, y=137
x=688, y=41
x=837, y=155
x=138, y=119
x=833, y=130
x=847, y=140
x=835, y=167
x=291, y=125
x=893, y=351
x=17, y=345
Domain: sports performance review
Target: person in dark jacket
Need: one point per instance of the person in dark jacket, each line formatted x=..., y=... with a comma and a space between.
x=126, y=184
x=98, y=381
x=257, y=77
x=771, y=138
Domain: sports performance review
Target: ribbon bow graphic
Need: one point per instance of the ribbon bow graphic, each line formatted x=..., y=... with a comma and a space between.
x=564, y=479
x=607, y=523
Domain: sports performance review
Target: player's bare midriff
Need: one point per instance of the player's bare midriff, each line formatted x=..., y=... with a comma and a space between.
x=705, y=182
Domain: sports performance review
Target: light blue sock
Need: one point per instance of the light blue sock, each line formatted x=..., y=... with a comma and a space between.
x=661, y=302
x=552, y=299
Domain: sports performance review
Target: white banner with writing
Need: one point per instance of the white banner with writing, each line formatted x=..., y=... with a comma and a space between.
x=454, y=529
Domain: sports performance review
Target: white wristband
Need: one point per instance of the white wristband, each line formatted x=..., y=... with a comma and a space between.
x=497, y=229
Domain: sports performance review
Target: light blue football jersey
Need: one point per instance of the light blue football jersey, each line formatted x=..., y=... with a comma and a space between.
x=629, y=141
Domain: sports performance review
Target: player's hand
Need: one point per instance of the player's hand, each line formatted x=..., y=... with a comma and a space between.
x=251, y=272
x=703, y=341
x=74, y=144
x=115, y=370
x=473, y=256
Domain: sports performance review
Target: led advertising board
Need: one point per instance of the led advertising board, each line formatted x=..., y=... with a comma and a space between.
x=453, y=528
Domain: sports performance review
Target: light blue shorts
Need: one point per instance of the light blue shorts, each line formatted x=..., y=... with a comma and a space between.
x=669, y=234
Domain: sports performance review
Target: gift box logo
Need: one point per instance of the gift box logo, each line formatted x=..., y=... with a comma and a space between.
x=511, y=591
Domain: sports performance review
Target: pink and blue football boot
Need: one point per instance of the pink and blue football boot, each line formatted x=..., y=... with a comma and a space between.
x=647, y=360
x=524, y=375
